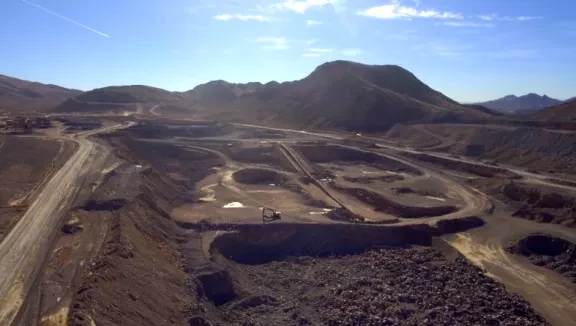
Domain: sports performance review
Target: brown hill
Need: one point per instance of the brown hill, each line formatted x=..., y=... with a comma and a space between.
x=128, y=94
x=351, y=96
x=119, y=98
x=562, y=112
x=218, y=94
x=18, y=95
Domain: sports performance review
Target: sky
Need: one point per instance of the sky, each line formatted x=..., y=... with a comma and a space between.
x=471, y=50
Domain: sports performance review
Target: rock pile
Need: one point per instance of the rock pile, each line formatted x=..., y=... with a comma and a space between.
x=415, y=286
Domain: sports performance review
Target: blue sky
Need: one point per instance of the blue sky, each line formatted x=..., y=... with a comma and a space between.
x=471, y=50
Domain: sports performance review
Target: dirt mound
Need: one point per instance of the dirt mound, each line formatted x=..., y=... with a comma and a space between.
x=259, y=176
x=333, y=153
x=368, y=180
x=535, y=197
x=405, y=190
x=383, y=204
x=548, y=251
x=184, y=167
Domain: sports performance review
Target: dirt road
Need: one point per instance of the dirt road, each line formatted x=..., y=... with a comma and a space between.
x=550, y=293
x=153, y=110
x=24, y=250
x=542, y=178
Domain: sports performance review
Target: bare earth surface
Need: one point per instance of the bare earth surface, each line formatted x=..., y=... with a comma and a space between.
x=23, y=250
x=167, y=229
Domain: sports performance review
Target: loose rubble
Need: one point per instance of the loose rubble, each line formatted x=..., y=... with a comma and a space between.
x=415, y=286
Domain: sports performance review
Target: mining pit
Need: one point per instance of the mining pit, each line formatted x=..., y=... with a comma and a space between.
x=172, y=233
x=550, y=252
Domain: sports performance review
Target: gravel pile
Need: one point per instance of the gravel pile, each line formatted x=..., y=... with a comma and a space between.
x=415, y=286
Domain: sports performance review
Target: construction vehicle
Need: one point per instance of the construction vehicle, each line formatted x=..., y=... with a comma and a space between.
x=269, y=215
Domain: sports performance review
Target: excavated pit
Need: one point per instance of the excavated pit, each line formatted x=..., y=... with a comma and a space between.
x=548, y=251
x=254, y=176
x=344, y=155
x=260, y=244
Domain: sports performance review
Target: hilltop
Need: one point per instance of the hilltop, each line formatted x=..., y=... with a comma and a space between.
x=21, y=95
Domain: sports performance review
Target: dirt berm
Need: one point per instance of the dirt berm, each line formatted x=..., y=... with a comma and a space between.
x=333, y=153
x=259, y=244
x=480, y=170
x=383, y=204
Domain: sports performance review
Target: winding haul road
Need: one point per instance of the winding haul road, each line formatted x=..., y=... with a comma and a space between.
x=23, y=251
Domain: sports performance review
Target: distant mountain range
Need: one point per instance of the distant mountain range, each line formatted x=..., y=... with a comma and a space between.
x=526, y=104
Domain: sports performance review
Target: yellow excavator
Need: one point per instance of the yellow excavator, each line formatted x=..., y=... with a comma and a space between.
x=269, y=215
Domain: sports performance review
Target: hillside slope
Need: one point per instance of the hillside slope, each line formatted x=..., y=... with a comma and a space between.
x=562, y=112
x=119, y=98
x=353, y=96
x=18, y=95
x=525, y=104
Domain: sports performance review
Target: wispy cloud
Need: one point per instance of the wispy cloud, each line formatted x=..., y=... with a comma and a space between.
x=226, y=17
x=351, y=52
x=273, y=43
x=311, y=23
x=311, y=55
x=466, y=24
x=66, y=19
x=395, y=10
x=320, y=50
x=301, y=6
x=496, y=17
x=464, y=51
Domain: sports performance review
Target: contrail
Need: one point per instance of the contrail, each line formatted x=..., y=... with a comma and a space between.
x=67, y=19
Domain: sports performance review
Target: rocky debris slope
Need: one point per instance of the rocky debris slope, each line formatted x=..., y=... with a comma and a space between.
x=550, y=252
x=415, y=286
x=540, y=205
